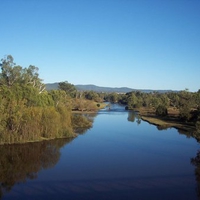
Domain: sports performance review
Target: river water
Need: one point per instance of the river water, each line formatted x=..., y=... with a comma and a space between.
x=120, y=157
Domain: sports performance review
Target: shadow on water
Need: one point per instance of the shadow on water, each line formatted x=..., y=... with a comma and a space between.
x=196, y=162
x=18, y=163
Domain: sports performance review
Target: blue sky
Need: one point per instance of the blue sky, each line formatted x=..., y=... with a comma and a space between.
x=142, y=44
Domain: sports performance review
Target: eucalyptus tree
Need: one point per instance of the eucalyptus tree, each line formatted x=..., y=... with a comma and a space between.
x=69, y=88
x=10, y=73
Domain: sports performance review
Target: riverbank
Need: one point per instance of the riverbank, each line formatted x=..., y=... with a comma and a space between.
x=78, y=123
x=41, y=139
x=170, y=121
x=99, y=106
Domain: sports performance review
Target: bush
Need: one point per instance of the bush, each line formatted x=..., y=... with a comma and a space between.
x=161, y=110
x=185, y=113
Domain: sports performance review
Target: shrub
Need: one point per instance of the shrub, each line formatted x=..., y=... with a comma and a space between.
x=161, y=110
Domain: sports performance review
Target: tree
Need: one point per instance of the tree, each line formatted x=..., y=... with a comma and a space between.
x=31, y=77
x=69, y=88
x=122, y=98
x=186, y=103
x=161, y=110
x=131, y=100
x=14, y=74
x=10, y=73
x=197, y=99
x=60, y=98
x=185, y=112
x=174, y=99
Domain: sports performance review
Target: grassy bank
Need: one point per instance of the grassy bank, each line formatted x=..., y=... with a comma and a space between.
x=172, y=120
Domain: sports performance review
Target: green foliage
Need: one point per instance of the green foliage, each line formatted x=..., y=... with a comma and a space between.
x=185, y=112
x=161, y=110
x=113, y=97
x=197, y=124
x=132, y=101
x=69, y=88
x=65, y=124
x=174, y=99
x=122, y=98
x=27, y=111
x=60, y=98
x=91, y=95
x=80, y=121
x=84, y=105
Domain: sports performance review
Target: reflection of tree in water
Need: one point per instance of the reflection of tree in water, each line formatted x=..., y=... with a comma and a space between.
x=196, y=162
x=160, y=128
x=132, y=116
x=138, y=120
x=185, y=132
x=21, y=162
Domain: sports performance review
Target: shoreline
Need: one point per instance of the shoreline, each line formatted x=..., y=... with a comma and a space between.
x=170, y=121
x=40, y=140
x=163, y=123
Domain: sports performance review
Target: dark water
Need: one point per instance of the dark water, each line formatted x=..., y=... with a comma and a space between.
x=121, y=157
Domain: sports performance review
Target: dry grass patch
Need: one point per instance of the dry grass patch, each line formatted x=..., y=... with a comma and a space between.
x=172, y=120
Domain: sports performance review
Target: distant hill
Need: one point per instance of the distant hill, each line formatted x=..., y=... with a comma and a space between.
x=51, y=86
x=103, y=89
x=116, y=89
x=54, y=86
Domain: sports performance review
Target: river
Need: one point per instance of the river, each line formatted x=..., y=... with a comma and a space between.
x=120, y=157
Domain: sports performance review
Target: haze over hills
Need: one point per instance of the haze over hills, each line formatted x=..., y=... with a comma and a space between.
x=90, y=87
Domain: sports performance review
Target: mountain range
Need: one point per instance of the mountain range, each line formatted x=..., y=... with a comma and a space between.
x=90, y=87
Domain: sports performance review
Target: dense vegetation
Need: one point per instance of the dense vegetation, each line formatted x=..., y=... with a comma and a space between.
x=183, y=106
x=28, y=112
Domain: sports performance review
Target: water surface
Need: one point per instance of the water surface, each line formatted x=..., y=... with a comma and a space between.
x=120, y=157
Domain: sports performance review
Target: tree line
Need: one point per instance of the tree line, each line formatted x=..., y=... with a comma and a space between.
x=185, y=104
